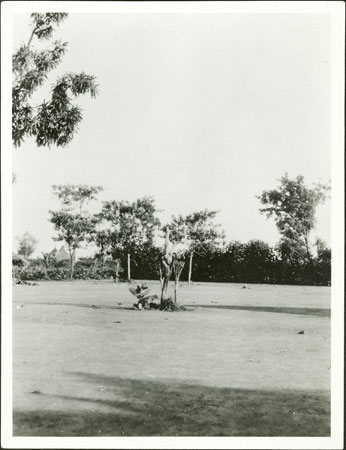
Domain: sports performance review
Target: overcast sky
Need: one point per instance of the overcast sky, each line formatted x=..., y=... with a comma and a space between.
x=200, y=111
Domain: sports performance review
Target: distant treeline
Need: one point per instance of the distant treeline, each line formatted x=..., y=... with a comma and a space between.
x=123, y=234
x=252, y=262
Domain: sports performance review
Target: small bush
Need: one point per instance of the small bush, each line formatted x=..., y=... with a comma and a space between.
x=58, y=273
x=33, y=273
x=16, y=274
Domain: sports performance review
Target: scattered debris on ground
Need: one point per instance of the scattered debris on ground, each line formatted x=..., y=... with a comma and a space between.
x=25, y=283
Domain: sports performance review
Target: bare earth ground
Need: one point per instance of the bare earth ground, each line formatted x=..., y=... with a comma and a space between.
x=86, y=364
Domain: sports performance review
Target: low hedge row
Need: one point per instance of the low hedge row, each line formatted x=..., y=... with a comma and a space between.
x=36, y=273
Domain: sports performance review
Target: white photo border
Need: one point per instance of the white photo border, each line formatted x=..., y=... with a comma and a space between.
x=336, y=10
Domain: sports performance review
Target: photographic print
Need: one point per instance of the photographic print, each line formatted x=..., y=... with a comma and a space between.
x=173, y=243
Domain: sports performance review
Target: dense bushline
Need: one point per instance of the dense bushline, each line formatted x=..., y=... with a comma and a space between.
x=253, y=262
x=229, y=267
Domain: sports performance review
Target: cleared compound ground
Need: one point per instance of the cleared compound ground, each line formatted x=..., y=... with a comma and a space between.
x=85, y=363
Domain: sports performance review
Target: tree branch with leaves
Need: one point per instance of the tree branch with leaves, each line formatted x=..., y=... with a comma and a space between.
x=56, y=120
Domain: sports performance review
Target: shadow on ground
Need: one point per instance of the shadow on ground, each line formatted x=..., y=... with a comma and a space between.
x=168, y=408
x=80, y=305
x=320, y=312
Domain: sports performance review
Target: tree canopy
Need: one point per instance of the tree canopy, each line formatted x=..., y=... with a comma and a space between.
x=74, y=226
x=197, y=232
x=53, y=121
x=127, y=227
x=73, y=197
x=26, y=244
x=293, y=207
x=73, y=229
x=197, y=229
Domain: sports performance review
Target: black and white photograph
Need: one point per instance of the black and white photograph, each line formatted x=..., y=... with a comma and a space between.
x=172, y=224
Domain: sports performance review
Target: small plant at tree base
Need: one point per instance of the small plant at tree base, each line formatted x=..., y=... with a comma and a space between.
x=168, y=304
x=142, y=292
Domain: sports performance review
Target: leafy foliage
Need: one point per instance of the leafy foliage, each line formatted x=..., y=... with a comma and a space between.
x=293, y=207
x=258, y=258
x=73, y=197
x=44, y=28
x=197, y=230
x=84, y=269
x=74, y=229
x=123, y=227
x=26, y=244
x=323, y=252
x=54, y=121
x=238, y=263
x=143, y=294
x=197, y=233
x=49, y=258
x=129, y=227
x=74, y=226
x=292, y=252
x=19, y=261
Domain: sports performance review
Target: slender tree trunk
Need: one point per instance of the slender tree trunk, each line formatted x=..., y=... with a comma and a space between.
x=116, y=271
x=165, y=267
x=161, y=283
x=128, y=267
x=177, y=267
x=190, y=267
x=72, y=260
